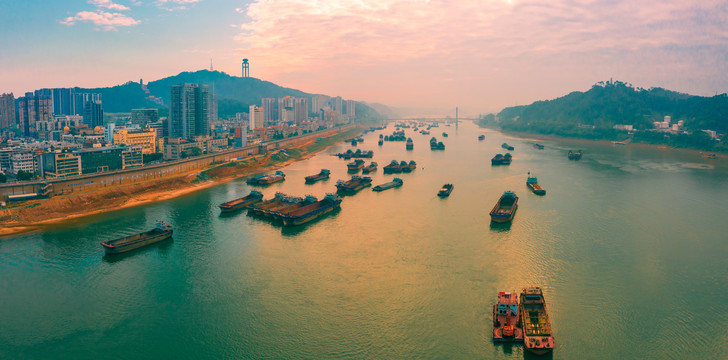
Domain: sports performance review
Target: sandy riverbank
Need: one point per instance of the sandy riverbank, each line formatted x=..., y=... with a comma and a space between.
x=60, y=209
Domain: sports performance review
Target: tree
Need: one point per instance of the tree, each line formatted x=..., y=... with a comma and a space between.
x=24, y=175
x=3, y=178
x=195, y=151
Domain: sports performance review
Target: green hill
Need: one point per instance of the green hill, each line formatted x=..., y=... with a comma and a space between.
x=234, y=94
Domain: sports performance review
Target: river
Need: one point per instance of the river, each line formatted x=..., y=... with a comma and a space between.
x=628, y=243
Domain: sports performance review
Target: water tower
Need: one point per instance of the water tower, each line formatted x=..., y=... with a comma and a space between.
x=246, y=68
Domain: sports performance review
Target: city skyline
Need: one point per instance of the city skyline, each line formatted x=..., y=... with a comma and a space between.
x=479, y=55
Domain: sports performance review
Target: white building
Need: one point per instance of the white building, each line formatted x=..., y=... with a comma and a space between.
x=25, y=161
x=256, y=118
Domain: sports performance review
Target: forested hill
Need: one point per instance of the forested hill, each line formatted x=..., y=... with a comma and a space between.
x=609, y=103
x=234, y=94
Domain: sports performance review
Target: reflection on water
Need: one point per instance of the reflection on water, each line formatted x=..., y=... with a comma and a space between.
x=626, y=233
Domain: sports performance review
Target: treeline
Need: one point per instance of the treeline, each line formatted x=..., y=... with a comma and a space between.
x=593, y=114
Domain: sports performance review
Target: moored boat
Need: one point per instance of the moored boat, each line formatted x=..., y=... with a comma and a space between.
x=708, y=156
x=369, y=168
x=161, y=231
x=267, y=179
x=392, y=168
x=355, y=166
x=381, y=142
x=324, y=174
x=278, y=200
x=507, y=147
x=500, y=159
x=505, y=209
x=445, y=190
x=481, y=137
x=237, y=204
x=408, y=167
x=410, y=145
x=277, y=212
x=532, y=183
x=354, y=184
x=396, y=182
x=538, y=146
x=313, y=211
x=537, y=336
x=444, y=134
x=574, y=155
x=506, y=324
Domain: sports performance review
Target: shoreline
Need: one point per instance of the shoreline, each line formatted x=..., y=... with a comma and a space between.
x=536, y=136
x=186, y=181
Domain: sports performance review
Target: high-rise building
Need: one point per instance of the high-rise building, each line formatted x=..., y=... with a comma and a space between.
x=350, y=107
x=270, y=110
x=7, y=110
x=337, y=104
x=93, y=114
x=189, y=115
x=319, y=102
x=300, y=107
x=79, y=100
x=32, y=109
x=255, y=118
x=144, y=117
x=283, y=103
x=62, y=101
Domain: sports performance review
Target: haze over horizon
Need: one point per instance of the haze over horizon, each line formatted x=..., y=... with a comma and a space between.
x=478, y=55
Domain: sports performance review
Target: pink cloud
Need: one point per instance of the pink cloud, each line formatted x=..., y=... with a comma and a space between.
x=108, y=21
x=107, y=4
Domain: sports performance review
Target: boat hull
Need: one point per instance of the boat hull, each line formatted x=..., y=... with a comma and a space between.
x=143, y=241
x=504, y=218
x=300, y=220
x=313, y=179
x=224, y=208
x=536, y=190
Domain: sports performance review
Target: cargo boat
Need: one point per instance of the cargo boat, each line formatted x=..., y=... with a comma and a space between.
x=237, y=204
x=392, y=168
x=445, y=190
x=408, y=167
x=538, y=146
x=532, y=183
x=381, y=142
x=410, y=145
x=435, y=145
x=707, y=156
x=444, y=134
x=481, y=137
x=507, y=147
x=307, y=213
x=500, y=159
x=324, y=174
x=369, y=168
x=267, y=179
x=537, y=336
x=506, y=327
x=353, y=185
x=278, y=200
x=355, y=166
x=161, y=231
x=396, y=182
x=277, y=212
x=505, y=209
x=574, y=155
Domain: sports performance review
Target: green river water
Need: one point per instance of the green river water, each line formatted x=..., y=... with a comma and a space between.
x=629, y=243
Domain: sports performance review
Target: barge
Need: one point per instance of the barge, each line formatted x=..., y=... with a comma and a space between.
x=369, y=168
x=532, y=183
x=507, y=147
x=311, y=212
x=267, y=179
x=353, y=185
x=445, y=190
x=505, y=209
x=537, y=336
x=241, y=203
x=500, y=159
x=161, y=231
x=396, y=182
x=324, y=174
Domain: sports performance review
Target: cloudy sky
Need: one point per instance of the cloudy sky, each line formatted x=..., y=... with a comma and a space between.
x=481, y=55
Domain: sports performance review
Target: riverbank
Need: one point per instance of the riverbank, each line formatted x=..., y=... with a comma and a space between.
x=536, y=136
x=36, y=215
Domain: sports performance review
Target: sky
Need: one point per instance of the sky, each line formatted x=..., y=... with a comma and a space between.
x=479, y=55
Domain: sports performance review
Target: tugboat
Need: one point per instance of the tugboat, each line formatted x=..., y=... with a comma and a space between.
x=506, y=324
x=410, y=145
x=310, y=212
x=369, y=168
x=445, y=190
x=507, y=147
x=353, y=185
x=481, y=137
x=499, y=159
x=392, y=168
x=532, y=183
x=396, y=182
x=537, y=336
x=505, y=209
x=237, y=204
x=161, y=231
x=324, y=174
x=355, y=166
